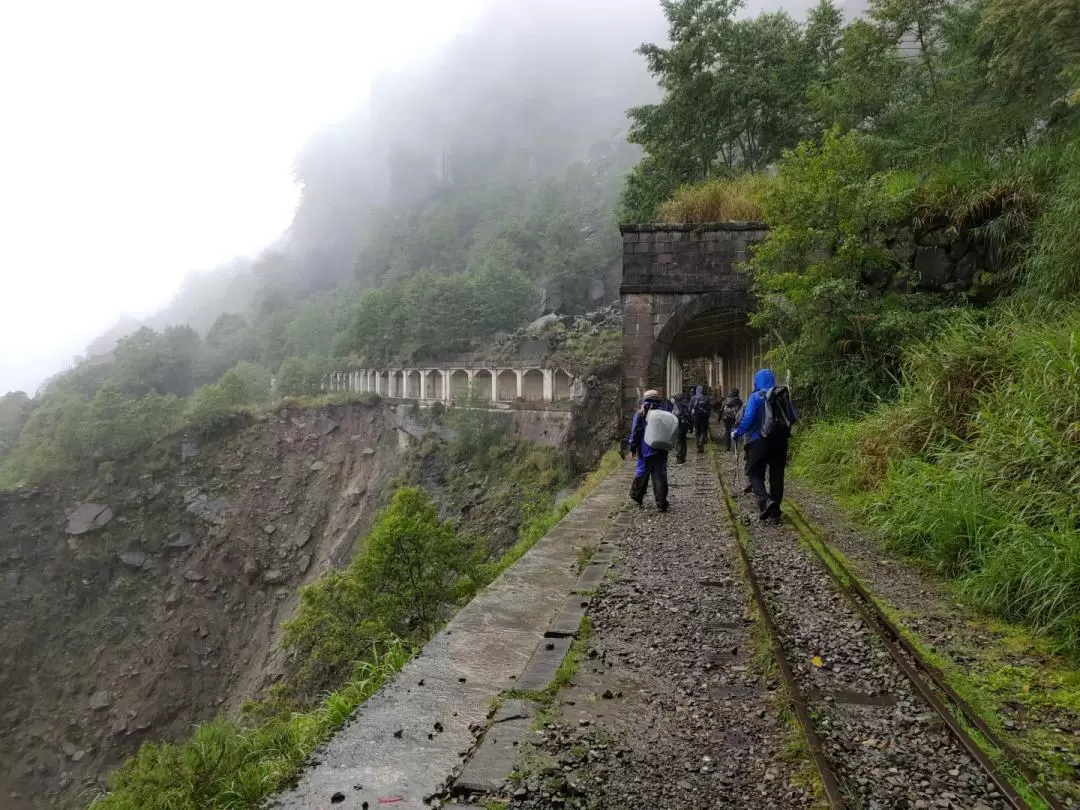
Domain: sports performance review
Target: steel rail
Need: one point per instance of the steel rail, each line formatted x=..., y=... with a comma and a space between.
x=899, y=649
x=896, y=640
x=831, y=786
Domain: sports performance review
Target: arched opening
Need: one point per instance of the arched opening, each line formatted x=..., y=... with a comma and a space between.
x=459, y=384
x=706, y=341
x=413, y=385
x=507, y=385
x=384, y=383
x=434, y=385
x=532, y=385
x=482, y=384
x=562, y=386
x=398, y=384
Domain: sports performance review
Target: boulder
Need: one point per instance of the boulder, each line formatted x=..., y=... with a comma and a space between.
x=100, y=700
x=88, y=517
x=542, y=323
x=133, y=559
x=179, y=541
x=301, y=537
x=251, y=570
x=212, y=511
x=317, y=466
x=305, y=563
x=933, y=266
x=324, y=426
x=274, y=577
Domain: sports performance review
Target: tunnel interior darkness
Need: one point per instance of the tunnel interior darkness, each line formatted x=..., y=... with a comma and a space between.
x=715, y=348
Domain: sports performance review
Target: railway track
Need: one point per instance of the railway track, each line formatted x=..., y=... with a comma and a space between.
x=882, y=725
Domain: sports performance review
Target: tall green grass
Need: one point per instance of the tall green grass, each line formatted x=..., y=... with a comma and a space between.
x=226, y=765
x=975, y=470
x=739, y=199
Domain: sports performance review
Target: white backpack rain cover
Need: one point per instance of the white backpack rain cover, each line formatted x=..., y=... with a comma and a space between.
x=661, y=429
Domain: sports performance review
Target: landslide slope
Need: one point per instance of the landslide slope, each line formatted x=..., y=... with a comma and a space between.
x=164, y=610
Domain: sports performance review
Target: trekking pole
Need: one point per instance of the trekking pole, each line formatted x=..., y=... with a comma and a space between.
x=735, y=475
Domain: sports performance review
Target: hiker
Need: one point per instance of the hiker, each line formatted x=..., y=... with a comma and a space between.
x=681, y=409
x=730, y=409
x=766, y=423
x=651, y=461
x=700, y=408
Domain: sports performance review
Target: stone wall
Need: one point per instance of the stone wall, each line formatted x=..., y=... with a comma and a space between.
x=671, y=275
x=937, y=259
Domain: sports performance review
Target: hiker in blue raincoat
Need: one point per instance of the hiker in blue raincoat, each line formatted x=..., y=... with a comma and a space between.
x=766, y=423
x=651, y=463
x=700, y=411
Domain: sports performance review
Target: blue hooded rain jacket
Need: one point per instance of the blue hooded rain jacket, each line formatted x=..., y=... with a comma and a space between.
x=754, y=414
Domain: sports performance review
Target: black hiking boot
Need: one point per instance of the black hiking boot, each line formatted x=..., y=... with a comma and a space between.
x=662, y=506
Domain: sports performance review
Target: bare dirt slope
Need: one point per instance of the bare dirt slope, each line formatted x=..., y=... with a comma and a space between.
x=161, y=610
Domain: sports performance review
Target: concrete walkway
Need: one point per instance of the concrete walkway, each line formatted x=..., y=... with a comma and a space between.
x=406, y=741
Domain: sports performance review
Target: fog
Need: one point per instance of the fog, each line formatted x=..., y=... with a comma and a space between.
x=143, y=141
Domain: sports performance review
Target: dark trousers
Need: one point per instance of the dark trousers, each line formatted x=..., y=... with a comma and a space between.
x=701, y=430
x=772, y=454
x=680, y=448
x=728, y=427
x=652, y=468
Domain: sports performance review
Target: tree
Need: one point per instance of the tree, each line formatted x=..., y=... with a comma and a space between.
x=209, y=410
x=477, y=426
x=735, y=94
x=412, y=564
x=412, y=568
x=246, y=384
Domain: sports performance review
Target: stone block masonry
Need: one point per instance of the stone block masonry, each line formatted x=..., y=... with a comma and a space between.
x=671, y=275
x=408, y=740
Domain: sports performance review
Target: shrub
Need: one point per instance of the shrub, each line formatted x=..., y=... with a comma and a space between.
x=718, y=200
x=209, y=411
x=246, y=384
x=412, y=568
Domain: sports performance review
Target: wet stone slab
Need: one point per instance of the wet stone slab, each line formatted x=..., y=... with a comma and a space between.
x=392, y=752
x=568, y=622
x=544, y=664
x=487, y=768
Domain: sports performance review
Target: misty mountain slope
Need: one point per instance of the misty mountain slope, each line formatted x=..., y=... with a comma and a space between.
x=462, y=201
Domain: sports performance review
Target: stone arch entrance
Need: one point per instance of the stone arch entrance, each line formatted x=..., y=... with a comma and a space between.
x=459, y=384
x=684, y=296
x=483, y=384
x=713, y=330
x=532, y=385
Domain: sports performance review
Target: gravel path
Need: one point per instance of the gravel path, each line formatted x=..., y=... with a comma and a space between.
x=887, y=747
x=667, y=710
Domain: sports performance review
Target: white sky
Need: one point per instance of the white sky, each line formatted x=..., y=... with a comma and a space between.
x=140, y=139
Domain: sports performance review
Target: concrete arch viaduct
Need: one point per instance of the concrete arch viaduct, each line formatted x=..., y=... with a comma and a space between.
x=684, y=297
x=447, y=382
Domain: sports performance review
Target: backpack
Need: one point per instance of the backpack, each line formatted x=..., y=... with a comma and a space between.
x=661, y=429
x=777, y=419
x=683, y=415
x=731, y=410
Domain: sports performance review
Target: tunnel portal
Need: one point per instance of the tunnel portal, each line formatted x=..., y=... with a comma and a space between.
x=686, y=305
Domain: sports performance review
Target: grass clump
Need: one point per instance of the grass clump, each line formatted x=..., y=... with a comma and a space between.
x=738, y=199
x=226, y=765
x=975, y=470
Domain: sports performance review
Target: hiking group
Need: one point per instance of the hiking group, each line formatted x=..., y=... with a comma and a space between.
x=764, y=423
